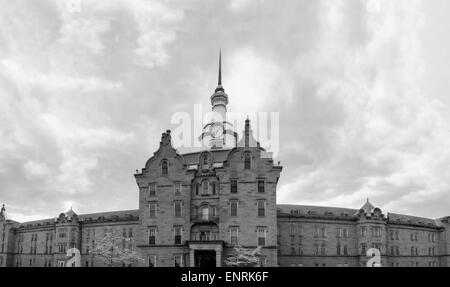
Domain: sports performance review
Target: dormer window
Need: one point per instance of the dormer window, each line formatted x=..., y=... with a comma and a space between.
x=205, y=162
x=247, y=160
x=165, y=167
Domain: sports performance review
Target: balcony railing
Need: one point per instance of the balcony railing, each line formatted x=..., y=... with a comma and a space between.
x=204, y=219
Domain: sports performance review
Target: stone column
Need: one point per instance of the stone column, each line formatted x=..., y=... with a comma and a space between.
x=218, y=258
x=191, y=258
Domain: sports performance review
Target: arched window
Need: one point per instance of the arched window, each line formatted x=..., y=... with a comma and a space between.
x=165, y=167
x=247, y=160
x=205, y=187
x=205, y=160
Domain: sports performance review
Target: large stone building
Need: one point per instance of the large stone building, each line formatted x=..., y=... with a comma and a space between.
x=194, y=208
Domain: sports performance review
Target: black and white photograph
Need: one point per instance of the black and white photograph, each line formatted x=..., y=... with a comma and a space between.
x=240, y=134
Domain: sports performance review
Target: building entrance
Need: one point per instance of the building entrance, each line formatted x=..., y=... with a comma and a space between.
x=205, y=258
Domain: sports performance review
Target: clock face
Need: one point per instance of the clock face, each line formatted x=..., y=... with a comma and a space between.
x=216, y=131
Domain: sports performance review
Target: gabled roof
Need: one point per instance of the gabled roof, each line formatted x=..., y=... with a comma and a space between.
x=367, y=207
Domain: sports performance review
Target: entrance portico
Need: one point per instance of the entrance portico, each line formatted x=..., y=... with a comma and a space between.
x=205, y=253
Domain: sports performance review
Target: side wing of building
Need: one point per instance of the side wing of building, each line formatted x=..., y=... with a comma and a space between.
x=312, y=236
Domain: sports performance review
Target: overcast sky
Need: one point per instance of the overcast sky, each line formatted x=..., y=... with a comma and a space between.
x=362, y=88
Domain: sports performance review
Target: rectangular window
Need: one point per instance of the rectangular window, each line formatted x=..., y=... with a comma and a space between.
x=396, y=235
x=338, y=249
x=323, y=249
x=339, y=233
x=152, y=235
x=152, y=261
x=152, y=207
x=234, y=186
x=261, y=208
x=178, y=260
x=234, y=233
x=362, y=231
x=234, y=208
x=177, y=188
x=177, y=233
x=261, y=236
x=152, y=189
x=376, y=232
x=345, y=250
x=262, y=261
x=261, y=186
x=178, y=209
x=363, y=249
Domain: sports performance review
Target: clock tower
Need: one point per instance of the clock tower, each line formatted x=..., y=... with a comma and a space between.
x=220, y=132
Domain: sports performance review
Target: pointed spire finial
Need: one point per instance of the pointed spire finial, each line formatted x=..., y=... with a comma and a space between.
x=219, y=80
x=220, y=67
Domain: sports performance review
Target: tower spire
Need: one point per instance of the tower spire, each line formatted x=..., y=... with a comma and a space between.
x=220, y=68
x=219, y=80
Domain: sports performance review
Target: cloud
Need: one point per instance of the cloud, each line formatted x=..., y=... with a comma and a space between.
x=85, y=96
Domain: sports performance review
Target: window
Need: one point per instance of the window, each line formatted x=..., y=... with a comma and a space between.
x=178, y=260
x=247, y=160
x=177, y=188
x=345, y=250
x=152, y=235
x=61, y=263
x=165, y=167
x=197, y=189
x=234, y=186
x=345, y=233
x=323, y=249
x=234, y=208
x=152, y=207
x=152, y=261
x=412, y=236
x=152, y=189
x=214, y=188
x=178, y=209
x=177, y=234
x=261, y=208
x=261, y=186
x=363, y=249
x=261, y=236
x=205, y=187
x=362, y=231
x=300, y=250
x=338, y=251
x=262, y=261
x=234, y=234
x=376, y=232
x=292, y=231
x=205, y=162
x=214, y=211
x=396, y=235
x=205, y=213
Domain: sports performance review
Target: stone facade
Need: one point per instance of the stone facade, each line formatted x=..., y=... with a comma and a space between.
x=313, y=236
x=194, y=208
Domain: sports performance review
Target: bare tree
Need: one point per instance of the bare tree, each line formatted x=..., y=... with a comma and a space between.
x=243, y=257
x=108, y=248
